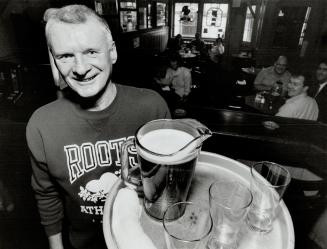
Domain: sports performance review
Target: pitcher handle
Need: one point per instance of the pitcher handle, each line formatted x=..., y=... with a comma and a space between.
x=131, y=175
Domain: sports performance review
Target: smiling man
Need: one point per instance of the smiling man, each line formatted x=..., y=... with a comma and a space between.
x=268, y=77
x=74, y=141
x=299, y=105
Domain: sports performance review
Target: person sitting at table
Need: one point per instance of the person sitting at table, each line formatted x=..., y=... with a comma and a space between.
x=267, y=77
x=175, y=43
x=179, y=79
x=320, y=94
x=216, y=51
x=299, y=105
x=197, y=43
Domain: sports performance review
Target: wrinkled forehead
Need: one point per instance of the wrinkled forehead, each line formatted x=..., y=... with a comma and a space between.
x=91, y=23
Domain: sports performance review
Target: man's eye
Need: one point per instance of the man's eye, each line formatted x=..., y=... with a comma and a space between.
x=65, y=57
x=92, y=53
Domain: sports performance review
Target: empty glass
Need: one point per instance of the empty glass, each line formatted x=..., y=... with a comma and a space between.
x=187, y=225
x=229, y=203
x=268, y=184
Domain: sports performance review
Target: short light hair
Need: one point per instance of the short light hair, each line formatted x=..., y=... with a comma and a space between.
x=72, y=14
x=297, y=73
x=281, y=57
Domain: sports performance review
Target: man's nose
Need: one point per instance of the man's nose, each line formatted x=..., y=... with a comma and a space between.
x=81, y=66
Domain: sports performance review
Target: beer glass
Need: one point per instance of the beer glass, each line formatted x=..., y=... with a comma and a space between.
x=167, y=152
x=229, y=204
x=268, y=184
x=192, y=227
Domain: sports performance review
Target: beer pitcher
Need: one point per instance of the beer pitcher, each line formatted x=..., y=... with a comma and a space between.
x=167, y=152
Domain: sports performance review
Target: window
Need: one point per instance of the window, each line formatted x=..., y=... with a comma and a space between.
x=98, y=7
x=128, y=5
x=185, y=19
x=248, y=26
x=142, y=18
x=214, y=20
x=149, y=15
x=128, y=20
x=128, y=15
x=161, y=14
x=304, y=26
x=290, y=25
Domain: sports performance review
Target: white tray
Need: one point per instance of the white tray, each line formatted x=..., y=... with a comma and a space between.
x=211, y=167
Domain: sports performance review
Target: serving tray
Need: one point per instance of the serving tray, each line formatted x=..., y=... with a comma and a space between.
x=210, y=167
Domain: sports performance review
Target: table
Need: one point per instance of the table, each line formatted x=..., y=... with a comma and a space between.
x=188, y=58
x=270, y=106
x=212, y=167
x=187, y=55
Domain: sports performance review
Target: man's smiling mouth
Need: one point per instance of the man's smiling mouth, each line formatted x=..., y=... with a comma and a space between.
x=86, y=79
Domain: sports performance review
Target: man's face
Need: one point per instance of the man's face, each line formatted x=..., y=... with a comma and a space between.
x=321, y=73
x=296, y=86
x=84, y=55
x=174, y=65
x=280, y=66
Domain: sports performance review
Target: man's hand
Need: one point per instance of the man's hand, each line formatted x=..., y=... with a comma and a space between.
x=55, y=241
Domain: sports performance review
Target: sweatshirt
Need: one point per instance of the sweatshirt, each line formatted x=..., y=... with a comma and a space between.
x=75, y=157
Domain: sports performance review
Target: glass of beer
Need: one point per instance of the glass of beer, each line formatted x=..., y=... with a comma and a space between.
x=167, y=152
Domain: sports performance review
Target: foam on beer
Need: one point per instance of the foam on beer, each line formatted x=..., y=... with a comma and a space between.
x=167, y=141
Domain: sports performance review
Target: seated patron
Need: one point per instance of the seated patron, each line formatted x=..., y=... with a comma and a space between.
x=197, y=43
x=216, y=51
x=320, y=94
x=299, y=105
x=175, y=43
x=267, y=77
x=178, y=78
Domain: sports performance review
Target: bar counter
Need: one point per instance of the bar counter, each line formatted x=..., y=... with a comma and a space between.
x=242, y=135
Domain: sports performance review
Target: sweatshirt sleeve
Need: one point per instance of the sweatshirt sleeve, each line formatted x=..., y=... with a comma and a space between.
x=46, y=192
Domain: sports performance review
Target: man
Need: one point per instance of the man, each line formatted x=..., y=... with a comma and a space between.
x=197, y=43
x=74, y=141
x=217, y=51
x=178, y=78
x=267, y=77
x=299, y=105
x=321, y=93
x=175, y=43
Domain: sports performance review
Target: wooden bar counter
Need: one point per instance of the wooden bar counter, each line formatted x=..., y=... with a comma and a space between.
x=242, y=135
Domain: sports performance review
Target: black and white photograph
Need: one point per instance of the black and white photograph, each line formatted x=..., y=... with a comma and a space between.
x=163, y=124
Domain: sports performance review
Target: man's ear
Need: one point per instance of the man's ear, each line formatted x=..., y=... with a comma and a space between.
x=113, y=53
x=305, y=88
x=58, y=80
